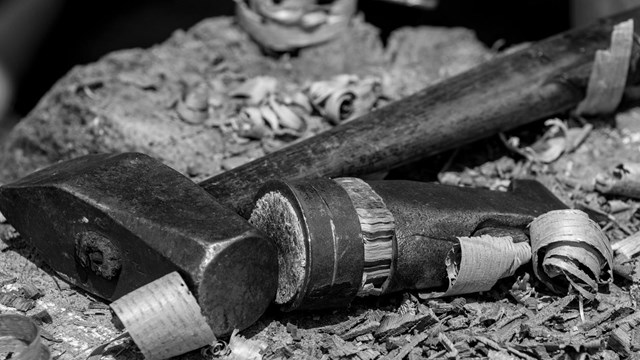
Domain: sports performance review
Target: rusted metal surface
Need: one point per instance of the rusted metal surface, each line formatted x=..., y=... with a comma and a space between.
x=112, y=223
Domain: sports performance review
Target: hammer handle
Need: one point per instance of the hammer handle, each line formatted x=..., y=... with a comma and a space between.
x=541, y=80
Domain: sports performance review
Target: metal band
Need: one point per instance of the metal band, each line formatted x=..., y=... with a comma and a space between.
x=378, y=234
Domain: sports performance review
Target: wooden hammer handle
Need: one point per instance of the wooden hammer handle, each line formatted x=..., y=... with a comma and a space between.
x=541, y=80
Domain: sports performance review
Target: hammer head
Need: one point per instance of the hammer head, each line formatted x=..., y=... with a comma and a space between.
x=112, y=223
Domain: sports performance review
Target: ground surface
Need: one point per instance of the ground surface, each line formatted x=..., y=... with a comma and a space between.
x=148, y=100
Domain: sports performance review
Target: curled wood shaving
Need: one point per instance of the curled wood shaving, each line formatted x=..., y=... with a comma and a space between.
x=557, y=140
x=163, y=318
x=273, y=116
x=623, y=180
x=475, y=264
x=256, y=89
x=241, y=348
x=570, y=250
x=344, y=97
x=628, y=247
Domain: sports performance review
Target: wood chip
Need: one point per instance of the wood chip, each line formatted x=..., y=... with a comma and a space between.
x=6, y=279
x=394, y=324
x=569, y=249
x=42, y=317
x=16, y=301
x=622, y=180
x=550, y=311
x=29, y=291
x=367, y=327
x=609, y=73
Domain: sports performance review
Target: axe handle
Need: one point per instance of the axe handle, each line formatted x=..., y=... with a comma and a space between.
x=541, y=80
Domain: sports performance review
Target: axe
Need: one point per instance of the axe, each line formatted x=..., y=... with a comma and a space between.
x=112, y=223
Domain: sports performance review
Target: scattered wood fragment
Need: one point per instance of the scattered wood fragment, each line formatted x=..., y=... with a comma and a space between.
x=42, y=317
x=395, y=324
x=16, y=301
x=623, y=180
x=620, y=342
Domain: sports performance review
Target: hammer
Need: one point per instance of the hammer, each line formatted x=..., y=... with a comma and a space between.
x=112, y=223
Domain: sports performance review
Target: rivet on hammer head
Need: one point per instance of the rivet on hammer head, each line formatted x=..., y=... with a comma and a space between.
x=98, y=253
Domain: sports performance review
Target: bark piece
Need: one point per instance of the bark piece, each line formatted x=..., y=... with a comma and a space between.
x=407, y=348
x=550, y=311
x=16, y=301
x=620, y=342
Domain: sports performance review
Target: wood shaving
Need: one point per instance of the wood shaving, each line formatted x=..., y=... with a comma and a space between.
x=609, y=73
x=344, y=97
x=570, y=250
x=244, y=349
x=557, y=140
x=475, y=264
x=256, y=89
x=623, y=180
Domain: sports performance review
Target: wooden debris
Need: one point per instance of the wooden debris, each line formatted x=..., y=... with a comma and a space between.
x=42, y=317
x=557, y=140
x=406, y=349
x=570, y=250
x=452, y=352
x=245, y=349
x=16, y=301
x=367, y=327
x=609, y=73
x=628, y=247
x=6, y=279
x=29, y=291
x=623, y=180
x=599, y=319
x=339, y=348
x=394, y=324
x=345, y=326
x=293, y=331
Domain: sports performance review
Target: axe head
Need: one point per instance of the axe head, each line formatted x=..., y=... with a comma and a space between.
x=112, y=223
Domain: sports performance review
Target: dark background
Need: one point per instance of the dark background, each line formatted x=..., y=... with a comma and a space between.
x=83, y=31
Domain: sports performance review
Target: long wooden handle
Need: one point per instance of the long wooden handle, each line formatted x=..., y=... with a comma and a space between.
x=542, y=80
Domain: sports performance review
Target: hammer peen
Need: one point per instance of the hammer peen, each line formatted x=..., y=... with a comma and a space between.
x=112, y=223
